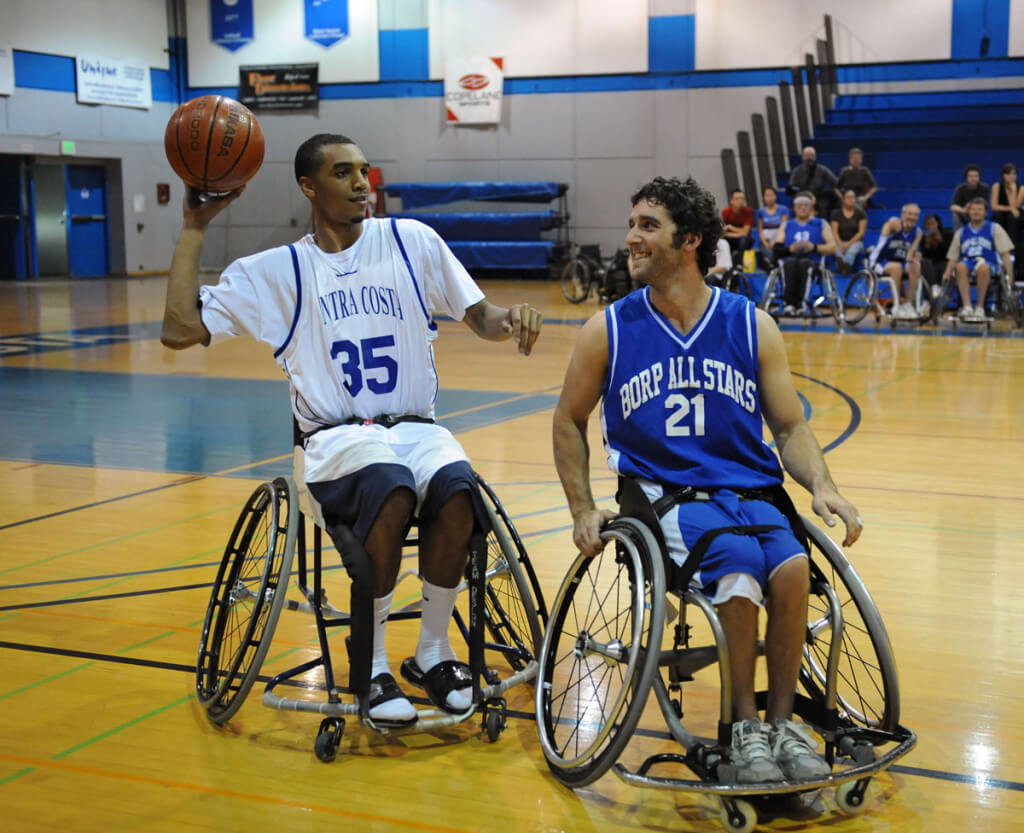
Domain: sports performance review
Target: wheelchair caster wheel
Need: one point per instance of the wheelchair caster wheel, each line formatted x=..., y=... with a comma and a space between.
x=328, y=739
x=850, y=796
x=494, y=721
x=737, y=815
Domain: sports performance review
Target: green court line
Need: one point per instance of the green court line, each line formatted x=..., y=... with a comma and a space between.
x=17, y=774
x=122, y=727
x=110, y=541
x=45, y=680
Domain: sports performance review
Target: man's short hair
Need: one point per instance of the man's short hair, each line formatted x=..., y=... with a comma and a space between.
x=911, y=205
x=309, y=156
x=855, y=150
x=971, y=167
x=736, y=191
x=978, y=200
x=692, y=209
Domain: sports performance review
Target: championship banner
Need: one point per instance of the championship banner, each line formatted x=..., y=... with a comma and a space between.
x=6, y=70
x=105, y=81
x=326, y=21
x=472, y=90
x=231, y=23
x=279, y=86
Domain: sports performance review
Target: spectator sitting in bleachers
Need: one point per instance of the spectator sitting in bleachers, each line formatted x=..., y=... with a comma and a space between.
x=934, y=245
x=768, y=218
x=1007, y=197
x=819, y=180
x=897, y=255
x=723, y=262
x=849, y=224
x=803, y=240
x=971, y=188
x=738, y=219
x=857, y=177
x=976, y=251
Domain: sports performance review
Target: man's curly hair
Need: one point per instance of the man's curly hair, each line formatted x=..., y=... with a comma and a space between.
x=692, y=209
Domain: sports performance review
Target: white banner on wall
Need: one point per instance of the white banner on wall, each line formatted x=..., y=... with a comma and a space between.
x=6, y=71
x=472, y=90
x=107, y=81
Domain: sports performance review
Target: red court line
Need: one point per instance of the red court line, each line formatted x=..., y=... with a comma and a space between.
x=203, y=788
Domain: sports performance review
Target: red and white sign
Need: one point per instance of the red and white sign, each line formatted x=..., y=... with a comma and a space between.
x=473, y=90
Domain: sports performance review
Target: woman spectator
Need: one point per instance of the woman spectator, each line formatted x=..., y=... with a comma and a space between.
x=934, y=247
x=849, y=223
x=768, y=218
x=1006, y=199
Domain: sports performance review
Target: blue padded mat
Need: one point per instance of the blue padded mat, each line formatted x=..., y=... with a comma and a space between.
x=502, y=255
x=497, y=226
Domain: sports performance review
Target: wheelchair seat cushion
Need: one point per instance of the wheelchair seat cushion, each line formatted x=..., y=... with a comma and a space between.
x=439, y=681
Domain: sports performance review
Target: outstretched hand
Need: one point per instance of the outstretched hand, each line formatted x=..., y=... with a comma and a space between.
x=825, y=504
x=523, y=322
x=586, y=531
x=201, y=208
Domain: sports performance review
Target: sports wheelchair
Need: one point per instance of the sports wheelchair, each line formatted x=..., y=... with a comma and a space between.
x=606, y=646
x=506, y=613
x=1003, y=297
x=826, y=302
x=869, y=292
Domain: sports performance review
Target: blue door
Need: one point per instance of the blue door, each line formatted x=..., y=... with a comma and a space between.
x=87, y=221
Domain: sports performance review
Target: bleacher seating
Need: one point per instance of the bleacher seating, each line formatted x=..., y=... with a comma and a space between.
x=490, y=240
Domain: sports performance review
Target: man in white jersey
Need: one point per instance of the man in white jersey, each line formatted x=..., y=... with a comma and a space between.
x=348, y=312
x=679, y=428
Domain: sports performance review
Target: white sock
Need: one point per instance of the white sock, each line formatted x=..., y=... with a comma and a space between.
x=399, y=708
x=381, y=609
x=434, y=647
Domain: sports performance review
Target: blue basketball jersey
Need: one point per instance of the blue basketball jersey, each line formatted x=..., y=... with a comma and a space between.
x=811, y=231
x=683, y=410
x=980, y=242
x=897, y=246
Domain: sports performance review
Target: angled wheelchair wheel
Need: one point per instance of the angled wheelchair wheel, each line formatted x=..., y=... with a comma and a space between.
x=735, y=281
x=835, y=301
x=247, y=597
x=941, y=304
x=867, y=686
x=1011, y=299
x=576, y=276
x=859, y=298
x=513, y=604
x=771, y=297
x=600, y=653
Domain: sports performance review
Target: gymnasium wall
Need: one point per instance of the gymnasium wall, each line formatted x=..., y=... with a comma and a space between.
x=601, y=94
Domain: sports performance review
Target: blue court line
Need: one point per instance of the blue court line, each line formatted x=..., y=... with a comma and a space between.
x=854, y=412
x=921, y=772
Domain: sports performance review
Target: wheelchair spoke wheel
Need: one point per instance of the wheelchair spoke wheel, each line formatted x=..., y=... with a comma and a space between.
x=867, y=687
x=513, y=605
x=601, y=653
x=941, y=304
x=835, y=302
x=735, y=281
x=1012, y=300
x=771, y=297
x=246, y=599
x=576, y=281
x=859, y=298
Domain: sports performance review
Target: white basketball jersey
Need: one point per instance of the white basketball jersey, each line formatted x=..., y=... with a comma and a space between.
x=352, y=330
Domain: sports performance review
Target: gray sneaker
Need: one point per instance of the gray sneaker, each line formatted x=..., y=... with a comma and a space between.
x=795, y=752
x=752, y=754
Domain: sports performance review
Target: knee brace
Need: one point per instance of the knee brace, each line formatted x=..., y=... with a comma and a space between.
x=360, y=570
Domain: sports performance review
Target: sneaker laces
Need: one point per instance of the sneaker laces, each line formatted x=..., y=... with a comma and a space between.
x=793, y=740
x=753, y=743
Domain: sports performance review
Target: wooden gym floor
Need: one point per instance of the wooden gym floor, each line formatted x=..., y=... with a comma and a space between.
x=124, y=465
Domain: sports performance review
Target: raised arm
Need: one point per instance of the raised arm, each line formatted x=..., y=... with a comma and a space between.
x=581, y=391
x=798, y=449
x=493, y=323
x=183, y=325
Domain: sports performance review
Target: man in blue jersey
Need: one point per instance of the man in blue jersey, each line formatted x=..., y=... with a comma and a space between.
x=349, y=310
x=978, y=249
x=898, y=255
x=805, y=239
x=684, y=372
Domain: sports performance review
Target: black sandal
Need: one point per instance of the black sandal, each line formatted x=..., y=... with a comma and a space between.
x=383, y=689
x=439, y=681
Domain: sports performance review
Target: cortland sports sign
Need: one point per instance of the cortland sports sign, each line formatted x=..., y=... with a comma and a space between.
x=472, y=90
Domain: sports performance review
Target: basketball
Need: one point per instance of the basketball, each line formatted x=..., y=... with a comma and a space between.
x=214, y=144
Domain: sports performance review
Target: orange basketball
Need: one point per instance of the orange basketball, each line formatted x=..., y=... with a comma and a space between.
x=214, y=144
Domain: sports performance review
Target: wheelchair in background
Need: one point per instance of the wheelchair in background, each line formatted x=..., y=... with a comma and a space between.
x=821, y=296
x=503, y=629
x=1002, y=299
x=879, y=295
x=606, y=646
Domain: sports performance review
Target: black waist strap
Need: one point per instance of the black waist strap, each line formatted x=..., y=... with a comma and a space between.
x=387, y=420
x=689, y=493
